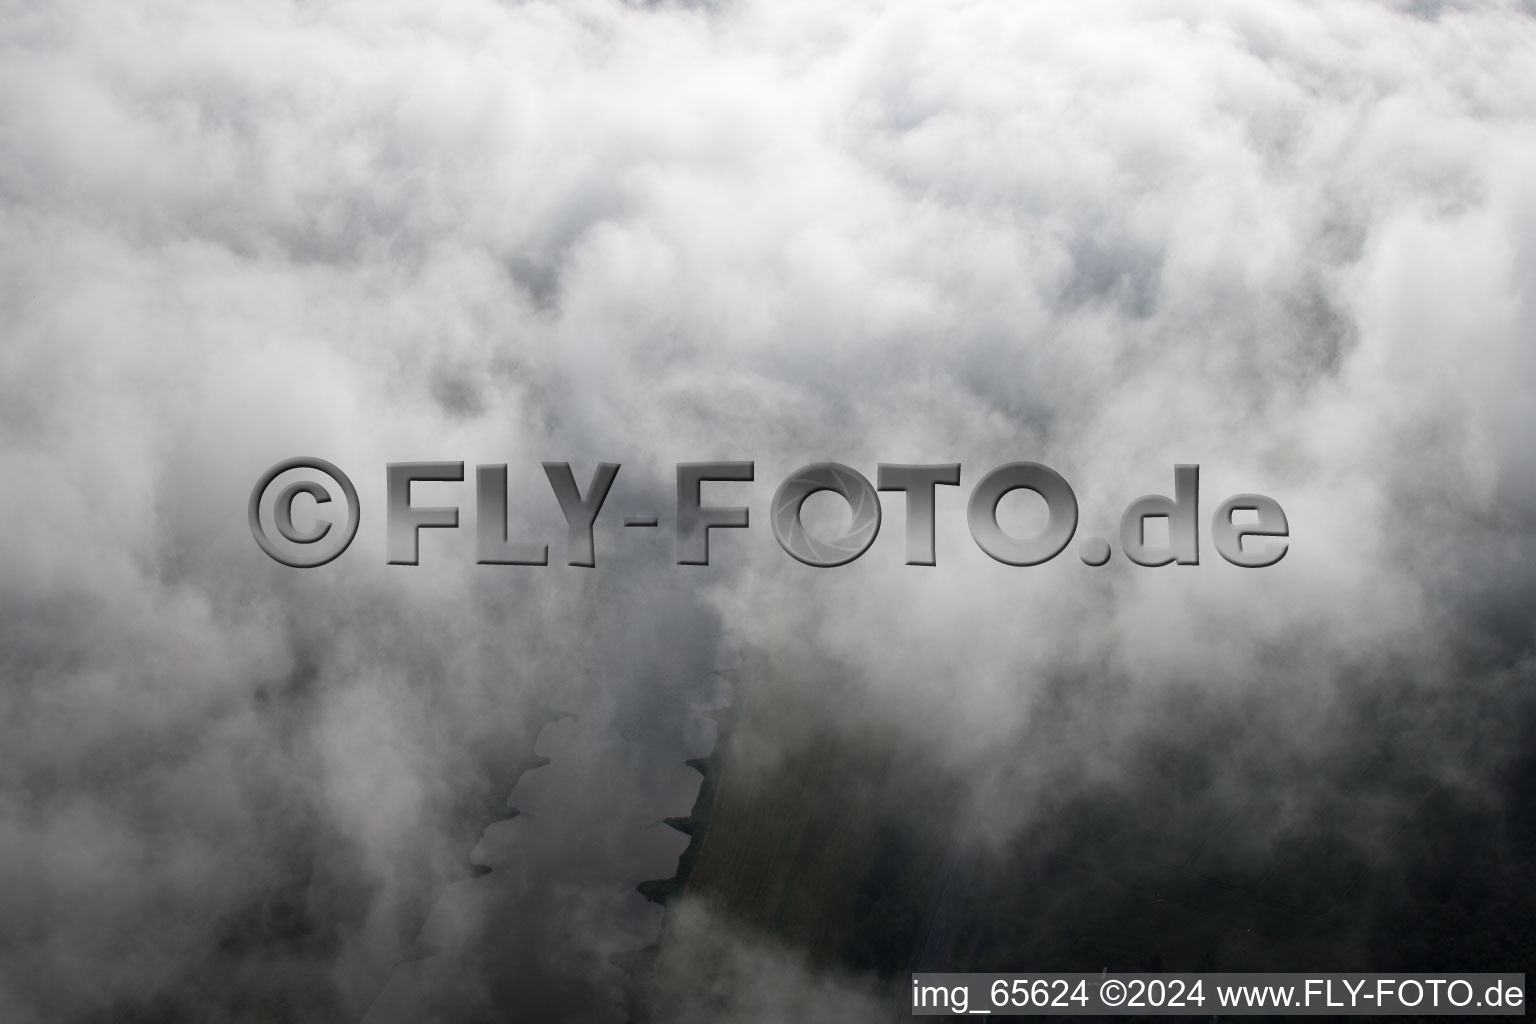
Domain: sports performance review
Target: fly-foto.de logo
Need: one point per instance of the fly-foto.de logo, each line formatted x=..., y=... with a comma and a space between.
x=283, y=487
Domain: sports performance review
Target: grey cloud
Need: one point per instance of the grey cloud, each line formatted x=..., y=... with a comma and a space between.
x=1291, y=243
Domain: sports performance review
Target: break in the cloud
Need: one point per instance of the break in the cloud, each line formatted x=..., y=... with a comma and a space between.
x=1292, y=242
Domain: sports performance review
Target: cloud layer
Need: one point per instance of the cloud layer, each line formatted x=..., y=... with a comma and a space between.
x=1291, y=242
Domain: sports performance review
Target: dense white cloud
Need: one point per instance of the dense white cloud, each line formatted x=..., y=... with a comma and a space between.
x=1292, y=242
